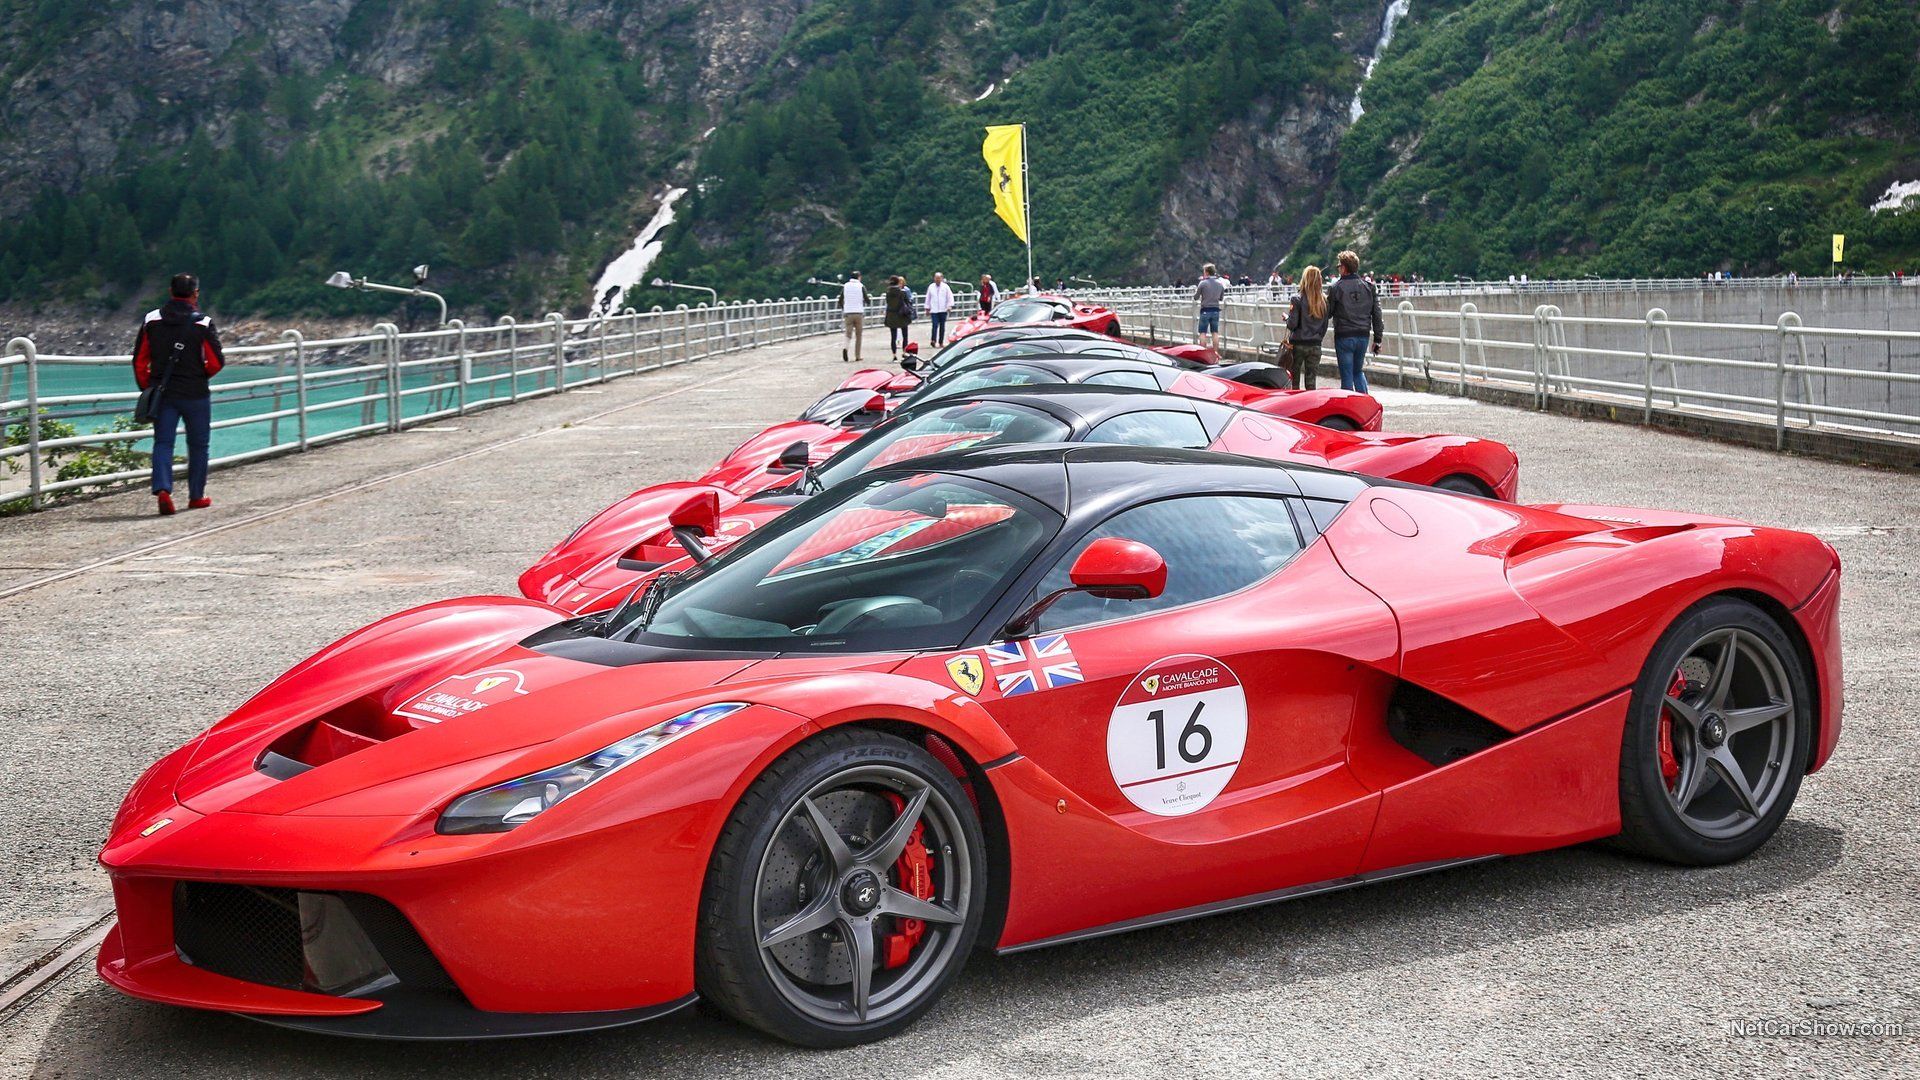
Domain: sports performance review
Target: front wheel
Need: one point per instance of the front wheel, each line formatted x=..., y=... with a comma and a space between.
x=1717, y=737
x=845, y=892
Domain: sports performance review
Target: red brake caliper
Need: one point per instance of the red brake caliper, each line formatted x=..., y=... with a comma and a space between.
x=914, y=868
x=1669, y=764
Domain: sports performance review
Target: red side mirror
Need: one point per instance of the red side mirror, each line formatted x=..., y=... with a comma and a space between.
x=876, y=403
x=1118, y=569
x=700, y=513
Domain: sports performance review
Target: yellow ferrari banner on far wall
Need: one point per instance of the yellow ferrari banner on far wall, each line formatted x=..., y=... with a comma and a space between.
x=1839, y=246
x=1006, y=154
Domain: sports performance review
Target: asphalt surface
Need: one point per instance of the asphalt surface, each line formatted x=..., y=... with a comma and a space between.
x=1574, y=963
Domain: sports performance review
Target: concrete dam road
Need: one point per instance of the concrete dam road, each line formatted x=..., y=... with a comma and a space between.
x=1575, y=963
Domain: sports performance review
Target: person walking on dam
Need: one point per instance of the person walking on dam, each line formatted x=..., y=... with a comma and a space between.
x=1210, y=292
x=853, y=314
x=1353, y=307
x=176, y=353
x=1306, y=327
x=899, y=314
x=939, y=302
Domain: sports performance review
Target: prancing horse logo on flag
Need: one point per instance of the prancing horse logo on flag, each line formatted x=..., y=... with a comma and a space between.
x=1006, y=178
x=967, y=673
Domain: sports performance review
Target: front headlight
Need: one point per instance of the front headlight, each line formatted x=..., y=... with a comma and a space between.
x=516, y=802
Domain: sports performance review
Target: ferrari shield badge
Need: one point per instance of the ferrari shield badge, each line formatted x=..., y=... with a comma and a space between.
x=967, y=674
x=462, y=695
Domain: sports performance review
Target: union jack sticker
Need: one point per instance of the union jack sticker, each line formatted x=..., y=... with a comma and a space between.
x=1040, y=663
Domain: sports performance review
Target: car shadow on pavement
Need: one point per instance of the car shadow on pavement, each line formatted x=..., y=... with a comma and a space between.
x=1485, y=905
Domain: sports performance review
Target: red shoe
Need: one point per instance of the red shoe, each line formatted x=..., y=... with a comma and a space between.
x=166, y=502
x=200, y=503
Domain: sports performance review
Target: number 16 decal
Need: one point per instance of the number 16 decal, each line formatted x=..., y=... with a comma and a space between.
x=1177, y=734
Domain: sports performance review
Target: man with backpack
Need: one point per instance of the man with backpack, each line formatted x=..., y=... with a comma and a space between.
x=177, y=352
x=1353, y=310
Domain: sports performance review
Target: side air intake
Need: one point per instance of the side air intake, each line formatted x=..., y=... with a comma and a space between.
x=1438, y=731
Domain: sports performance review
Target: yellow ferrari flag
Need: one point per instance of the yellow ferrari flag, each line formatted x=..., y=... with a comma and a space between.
x=1006, y=154
x=1839, y=245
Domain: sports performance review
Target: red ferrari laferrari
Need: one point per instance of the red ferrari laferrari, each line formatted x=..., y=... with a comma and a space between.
x=605, y=558
x=841, y=416
x=1042, y=309
x=1003, y=698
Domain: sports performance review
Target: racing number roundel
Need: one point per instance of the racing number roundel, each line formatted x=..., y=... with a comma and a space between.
x=1177, y=734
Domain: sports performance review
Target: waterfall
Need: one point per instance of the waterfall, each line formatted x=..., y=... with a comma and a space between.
x=610, y=292
x=1395, y=12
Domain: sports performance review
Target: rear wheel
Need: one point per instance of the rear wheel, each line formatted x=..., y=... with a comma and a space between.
x=1465, y=485
x=845, y=892
x=1338, y=423
x=1717, y=737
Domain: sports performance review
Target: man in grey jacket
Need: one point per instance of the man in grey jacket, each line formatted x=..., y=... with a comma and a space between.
x=1353, y=309
x=1211, y=290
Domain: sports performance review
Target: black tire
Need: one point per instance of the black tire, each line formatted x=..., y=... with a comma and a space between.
x=1695, y=816
x=1464, y=484
x=757, y=867
x=1338, y=423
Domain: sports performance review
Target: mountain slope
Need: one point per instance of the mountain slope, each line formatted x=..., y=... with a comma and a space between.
x=1634, y=138
x=1159, y=136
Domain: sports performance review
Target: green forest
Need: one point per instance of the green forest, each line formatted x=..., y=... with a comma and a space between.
x=876, y=172
x=1555, y=137
x=511, y=172
x=1634, y=138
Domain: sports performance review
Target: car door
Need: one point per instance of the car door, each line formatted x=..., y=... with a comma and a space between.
x=1202, y=735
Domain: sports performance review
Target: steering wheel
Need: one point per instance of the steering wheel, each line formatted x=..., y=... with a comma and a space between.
x=842, y=615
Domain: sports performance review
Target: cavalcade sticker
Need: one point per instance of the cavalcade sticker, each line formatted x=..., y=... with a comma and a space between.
x=462, y=695
x=1177, y=734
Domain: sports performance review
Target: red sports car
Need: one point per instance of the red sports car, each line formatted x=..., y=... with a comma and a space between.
x=1042, y=309
x=841, y=416
x=1005, y=697
x=605, y=558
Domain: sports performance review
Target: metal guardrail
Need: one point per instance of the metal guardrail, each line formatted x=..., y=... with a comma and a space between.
x=1390, y=289
x=318, y=391
x=1785, y=374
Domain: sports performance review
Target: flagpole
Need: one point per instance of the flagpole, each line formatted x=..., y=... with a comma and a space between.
x=1026, y=196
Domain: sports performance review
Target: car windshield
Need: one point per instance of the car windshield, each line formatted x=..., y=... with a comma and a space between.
x=956, y=427
x=1026, y=312
x=968, y=379
x=837, y=406
x=906, y=563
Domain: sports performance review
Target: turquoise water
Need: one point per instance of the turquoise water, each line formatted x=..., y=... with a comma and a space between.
x=325, y=384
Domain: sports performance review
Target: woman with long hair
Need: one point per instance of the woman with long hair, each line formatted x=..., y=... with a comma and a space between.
x=1306, y=327
x=899, y=313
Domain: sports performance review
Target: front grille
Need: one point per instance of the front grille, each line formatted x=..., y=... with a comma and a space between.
x=323, y=942
x=240, y=931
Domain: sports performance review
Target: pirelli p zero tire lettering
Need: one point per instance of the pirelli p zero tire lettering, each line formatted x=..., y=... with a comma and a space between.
x=845, y=892
x=1717, y=737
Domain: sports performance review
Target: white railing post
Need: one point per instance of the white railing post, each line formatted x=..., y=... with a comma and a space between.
x=24, y=347
x=559, y=324
x=1782, y=324
x=1466, y=309
x=299, y=381
x=395, y=404
x=464, y=364
x=1655, y=316
x=513, y=356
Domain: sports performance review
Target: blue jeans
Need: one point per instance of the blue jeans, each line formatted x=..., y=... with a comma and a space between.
x=1351, y=352
x=198, y=416
x=939, y=327
x=1209, y=321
